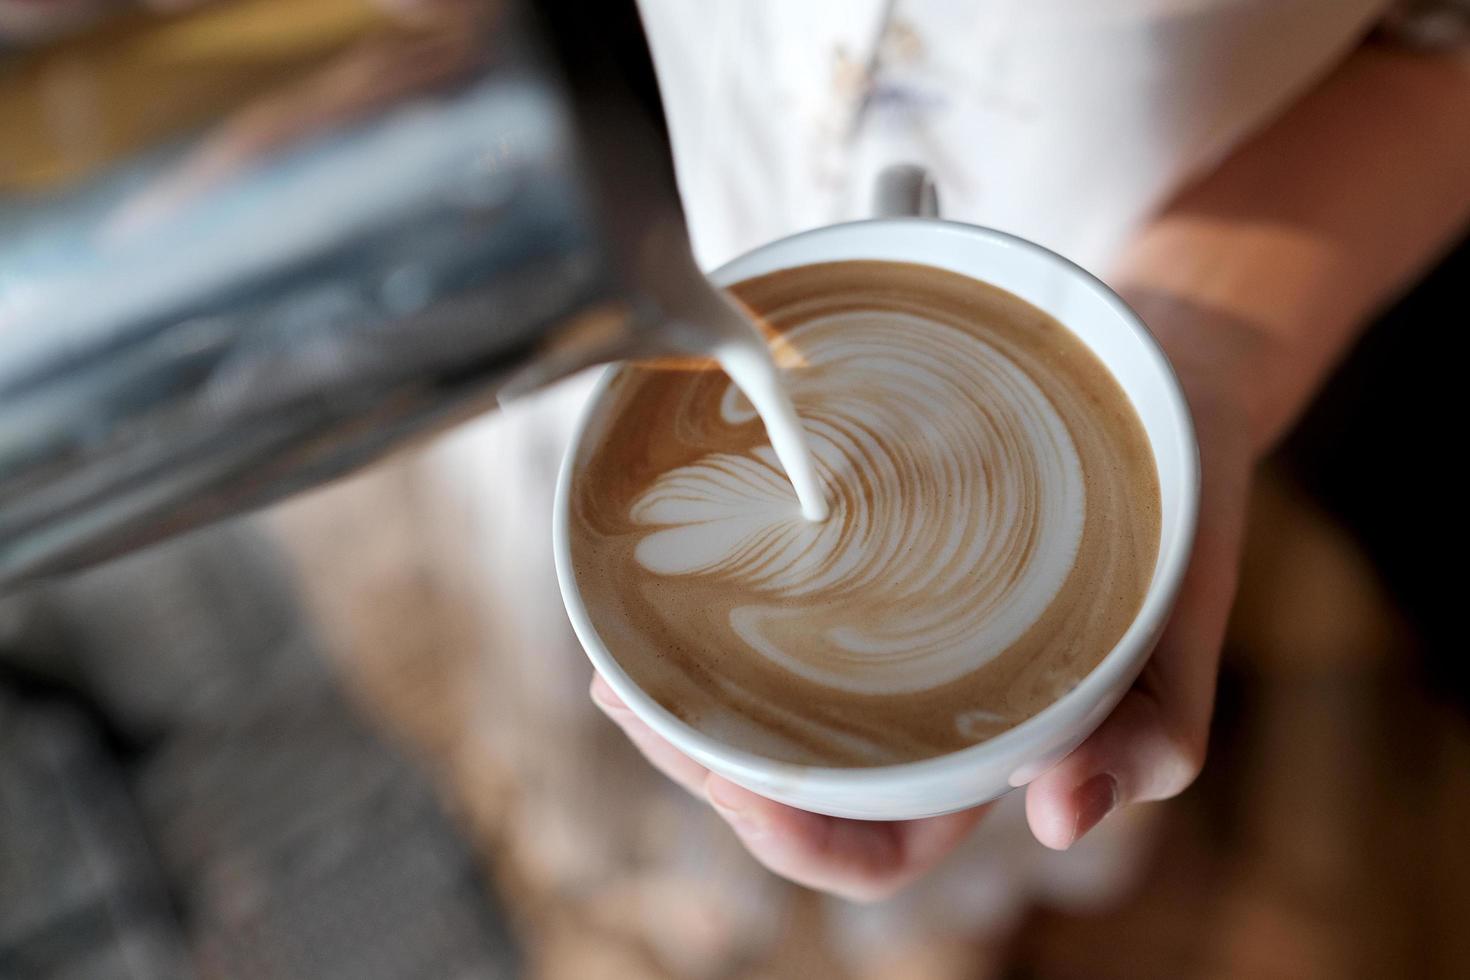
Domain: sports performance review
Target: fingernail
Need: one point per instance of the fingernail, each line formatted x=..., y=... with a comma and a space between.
x=724, y=797
x=1094, y=800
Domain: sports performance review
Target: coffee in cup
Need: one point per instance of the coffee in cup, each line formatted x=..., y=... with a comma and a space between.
x=993, y=528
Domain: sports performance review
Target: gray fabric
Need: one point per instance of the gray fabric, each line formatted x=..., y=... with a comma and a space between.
x=81, y=895
x=217, y=808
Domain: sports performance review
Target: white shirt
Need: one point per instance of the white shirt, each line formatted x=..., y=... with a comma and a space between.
x=1063, y=121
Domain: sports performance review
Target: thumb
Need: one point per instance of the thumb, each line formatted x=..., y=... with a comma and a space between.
x=1153, y=744
x=1133, y=757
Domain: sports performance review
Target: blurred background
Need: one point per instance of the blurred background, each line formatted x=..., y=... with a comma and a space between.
x=285, y=748
x=316, y=741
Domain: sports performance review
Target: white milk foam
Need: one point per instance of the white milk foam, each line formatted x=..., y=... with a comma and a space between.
x=752, y=369
x=956, y=495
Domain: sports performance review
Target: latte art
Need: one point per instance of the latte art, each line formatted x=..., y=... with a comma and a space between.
x=957, y=504
x=992, y=530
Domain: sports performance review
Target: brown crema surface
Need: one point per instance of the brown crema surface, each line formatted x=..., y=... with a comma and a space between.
x=994, y=528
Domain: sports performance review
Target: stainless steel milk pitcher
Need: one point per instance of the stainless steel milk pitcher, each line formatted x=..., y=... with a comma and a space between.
x=252, y=246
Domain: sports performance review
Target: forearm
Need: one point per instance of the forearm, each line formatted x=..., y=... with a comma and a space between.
x=1265, y=270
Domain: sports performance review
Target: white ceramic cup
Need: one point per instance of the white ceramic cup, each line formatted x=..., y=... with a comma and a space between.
x=1101, y=320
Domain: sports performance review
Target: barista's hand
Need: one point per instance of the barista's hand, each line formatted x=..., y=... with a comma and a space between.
x=856, y=859
x=1153, y=744
x=1150, y=748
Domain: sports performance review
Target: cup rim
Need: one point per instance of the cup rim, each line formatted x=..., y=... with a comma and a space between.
x=1122, y=658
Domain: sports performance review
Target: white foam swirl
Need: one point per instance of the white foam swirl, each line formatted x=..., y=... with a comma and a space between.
x=957, y=507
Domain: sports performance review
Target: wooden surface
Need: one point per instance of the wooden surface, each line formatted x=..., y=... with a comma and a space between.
x=1327, y=837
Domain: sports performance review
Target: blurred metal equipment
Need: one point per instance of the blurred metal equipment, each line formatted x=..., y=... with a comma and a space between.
x=252, y=245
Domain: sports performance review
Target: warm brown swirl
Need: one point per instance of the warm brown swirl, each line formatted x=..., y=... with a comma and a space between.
x=994, y=525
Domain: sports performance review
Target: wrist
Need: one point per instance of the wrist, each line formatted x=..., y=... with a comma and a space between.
x=1224, y=361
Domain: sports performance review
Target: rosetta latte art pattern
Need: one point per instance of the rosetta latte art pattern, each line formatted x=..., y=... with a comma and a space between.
x=957, y=502
x=993, y=529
